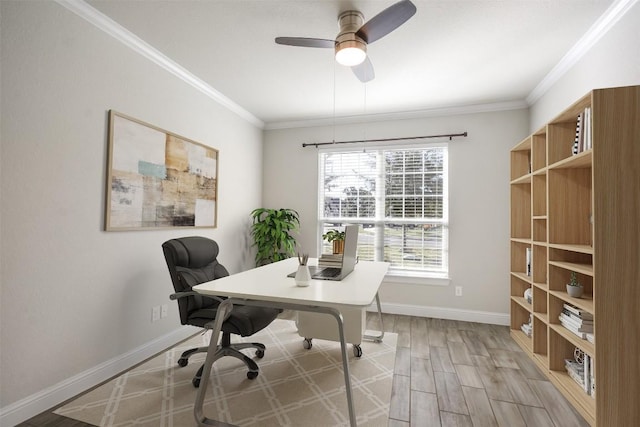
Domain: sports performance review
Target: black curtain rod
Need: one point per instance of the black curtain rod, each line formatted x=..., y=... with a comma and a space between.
x=448, y=135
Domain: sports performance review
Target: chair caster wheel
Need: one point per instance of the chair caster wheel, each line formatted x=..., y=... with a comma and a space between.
x=182, y=362
x=357, y=350
x=196, y=382
x=252, y=375
x=260, y=354
x=307, y=343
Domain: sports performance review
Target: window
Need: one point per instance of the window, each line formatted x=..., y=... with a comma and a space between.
x=399, y=196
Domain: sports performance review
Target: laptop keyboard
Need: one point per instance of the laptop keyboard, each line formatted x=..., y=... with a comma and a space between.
x=328, y=272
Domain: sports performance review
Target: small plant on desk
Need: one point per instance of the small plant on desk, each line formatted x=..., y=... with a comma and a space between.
x=337, y=237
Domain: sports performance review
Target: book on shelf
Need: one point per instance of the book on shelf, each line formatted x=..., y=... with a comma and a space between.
x=572, y=316
x=582, y=371
x=591, y=338
x=579, y=324
x=582, y=314
x=587, y=129
x=586, y=373
x=575, y=370
x=583, y=139
x=526, y=328
x=573, y=329
x=527, y=256
x=576, y=141
x=592, y=378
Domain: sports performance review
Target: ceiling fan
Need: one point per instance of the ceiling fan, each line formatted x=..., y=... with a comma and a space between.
x=351, y=42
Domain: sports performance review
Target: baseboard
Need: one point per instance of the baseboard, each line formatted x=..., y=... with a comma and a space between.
x=50, y=397
x=445, y=313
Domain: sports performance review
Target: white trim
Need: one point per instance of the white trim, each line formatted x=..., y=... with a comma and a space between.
x=49, y=397
x=403, y=115
x=445, y=313
x=126, y=37
x=610, y=17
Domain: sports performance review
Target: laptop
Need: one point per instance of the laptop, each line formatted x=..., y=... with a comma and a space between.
x=348, y=258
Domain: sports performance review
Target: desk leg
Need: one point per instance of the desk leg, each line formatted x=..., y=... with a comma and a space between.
x=224, y=309
x=381, y=336
x=223, y=312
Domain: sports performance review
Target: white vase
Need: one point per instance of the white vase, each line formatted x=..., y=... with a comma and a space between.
x=303, y=276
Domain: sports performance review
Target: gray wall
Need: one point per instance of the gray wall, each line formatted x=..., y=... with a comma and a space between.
x=73, y=296
x=613, y=61
x=479, y=200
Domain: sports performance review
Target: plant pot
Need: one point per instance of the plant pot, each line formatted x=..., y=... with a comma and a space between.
x=575, y=291
x=338, y=246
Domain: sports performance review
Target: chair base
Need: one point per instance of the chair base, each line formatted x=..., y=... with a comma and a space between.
x=226, y=349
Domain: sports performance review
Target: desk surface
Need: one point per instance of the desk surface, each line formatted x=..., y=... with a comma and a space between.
x=270, y=283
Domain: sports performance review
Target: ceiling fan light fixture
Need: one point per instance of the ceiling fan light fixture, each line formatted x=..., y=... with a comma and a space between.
x=351, y=52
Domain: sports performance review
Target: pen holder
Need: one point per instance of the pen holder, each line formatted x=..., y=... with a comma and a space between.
x=303, y=276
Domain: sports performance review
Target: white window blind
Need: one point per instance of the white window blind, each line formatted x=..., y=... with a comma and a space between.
x=399, y=196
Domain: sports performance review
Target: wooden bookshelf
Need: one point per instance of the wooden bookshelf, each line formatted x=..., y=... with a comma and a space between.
x=580, y=213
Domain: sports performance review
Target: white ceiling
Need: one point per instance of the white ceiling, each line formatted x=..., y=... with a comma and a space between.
x=450, y=54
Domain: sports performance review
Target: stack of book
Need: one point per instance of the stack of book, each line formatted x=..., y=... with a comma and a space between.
x=330, y=260
x=583, y=132
x=575, y=371
x=582, y=372
x=578, y=321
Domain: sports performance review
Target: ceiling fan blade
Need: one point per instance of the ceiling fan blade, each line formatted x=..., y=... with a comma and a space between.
x=386, y=21
x=306, y=42
x=364, y=71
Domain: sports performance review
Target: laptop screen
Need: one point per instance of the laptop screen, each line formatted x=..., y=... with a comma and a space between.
x=350, y=248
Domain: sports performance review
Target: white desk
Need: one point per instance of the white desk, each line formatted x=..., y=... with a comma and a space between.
x=269, y=286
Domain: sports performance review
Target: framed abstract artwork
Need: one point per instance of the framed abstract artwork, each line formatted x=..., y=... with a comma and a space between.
x=157, y=179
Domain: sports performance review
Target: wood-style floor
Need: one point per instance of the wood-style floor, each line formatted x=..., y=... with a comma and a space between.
x=450, y=373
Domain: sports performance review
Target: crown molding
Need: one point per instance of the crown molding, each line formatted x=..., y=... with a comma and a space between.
x=610, y=17
x=403, y=115
x=126, y=37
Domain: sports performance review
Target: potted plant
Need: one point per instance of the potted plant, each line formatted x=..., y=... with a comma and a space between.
x=574, y=288
x=271, y=231
x=337, y=237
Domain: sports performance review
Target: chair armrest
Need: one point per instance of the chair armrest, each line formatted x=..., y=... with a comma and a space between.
x=179, y=295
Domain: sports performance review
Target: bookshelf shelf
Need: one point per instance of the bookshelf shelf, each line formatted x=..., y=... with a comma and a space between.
x=522, y=339
x=579, y=161
x=542, y=360
x=523, y=303
x=542, y=286
x=574, y=209
x=574, y=266
x=585, y=249
x=584, y=303
x=584, y=345
x=521, y=276
x=525, y=179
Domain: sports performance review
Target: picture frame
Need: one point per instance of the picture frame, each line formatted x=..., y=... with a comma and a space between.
x=157, y=179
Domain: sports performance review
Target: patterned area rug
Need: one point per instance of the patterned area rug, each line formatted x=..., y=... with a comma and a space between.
x=296, y=387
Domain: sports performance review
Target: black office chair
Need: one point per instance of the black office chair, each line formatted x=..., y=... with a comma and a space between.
x=191, y=261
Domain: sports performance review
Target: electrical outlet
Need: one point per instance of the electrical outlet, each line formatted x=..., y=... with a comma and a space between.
x=458, y=291
x=155, y=313
x=163, y=311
